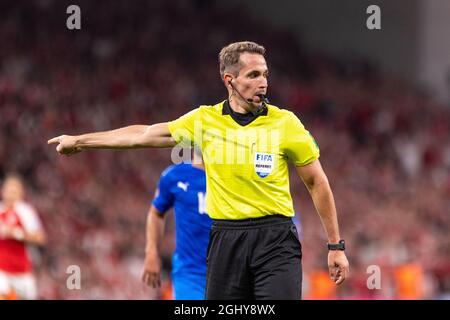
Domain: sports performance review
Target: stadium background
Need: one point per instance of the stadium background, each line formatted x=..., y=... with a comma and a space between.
x=376, y=101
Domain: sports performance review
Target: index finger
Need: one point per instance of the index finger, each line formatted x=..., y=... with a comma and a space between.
x=342, y=275
x=53, y=140
x=145, y=277
x=340, y=279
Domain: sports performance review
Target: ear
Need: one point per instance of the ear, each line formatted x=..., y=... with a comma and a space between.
x=227, y=78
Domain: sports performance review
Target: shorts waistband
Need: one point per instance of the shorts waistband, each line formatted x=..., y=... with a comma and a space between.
x=252, y=222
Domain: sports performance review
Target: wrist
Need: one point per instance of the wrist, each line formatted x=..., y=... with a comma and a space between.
x=152, y=252
x=78, y=141
x=340, y=245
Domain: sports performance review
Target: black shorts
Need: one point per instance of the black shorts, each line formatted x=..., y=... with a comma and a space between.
x=254, y=259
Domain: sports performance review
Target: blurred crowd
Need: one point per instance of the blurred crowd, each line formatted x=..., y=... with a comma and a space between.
x=385, y=144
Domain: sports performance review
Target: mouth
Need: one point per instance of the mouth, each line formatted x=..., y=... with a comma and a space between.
x=261, y=97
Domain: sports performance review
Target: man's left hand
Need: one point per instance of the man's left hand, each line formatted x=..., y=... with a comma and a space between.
x=338, y=266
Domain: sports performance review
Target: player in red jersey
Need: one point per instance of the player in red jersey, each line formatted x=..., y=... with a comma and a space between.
x=19, y=226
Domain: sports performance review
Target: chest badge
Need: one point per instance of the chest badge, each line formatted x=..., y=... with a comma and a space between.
x=264, y=163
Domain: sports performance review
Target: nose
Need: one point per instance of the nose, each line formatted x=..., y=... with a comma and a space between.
x=263, y=83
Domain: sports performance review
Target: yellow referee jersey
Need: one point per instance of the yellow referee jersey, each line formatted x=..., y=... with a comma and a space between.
x=246, y=166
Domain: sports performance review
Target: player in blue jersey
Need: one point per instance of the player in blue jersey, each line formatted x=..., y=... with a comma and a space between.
x=182, y=187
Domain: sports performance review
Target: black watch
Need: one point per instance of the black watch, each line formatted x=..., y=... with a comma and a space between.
x=336, y=246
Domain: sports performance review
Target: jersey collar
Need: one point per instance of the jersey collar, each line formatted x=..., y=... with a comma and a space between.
x=242, y=119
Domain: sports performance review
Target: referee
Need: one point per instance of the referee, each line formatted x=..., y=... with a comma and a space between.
x=254, y=251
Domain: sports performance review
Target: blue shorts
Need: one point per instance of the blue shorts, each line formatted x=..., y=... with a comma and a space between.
x=189, y=287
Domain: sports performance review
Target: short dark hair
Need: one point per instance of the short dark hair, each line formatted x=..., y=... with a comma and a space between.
x=229, y=55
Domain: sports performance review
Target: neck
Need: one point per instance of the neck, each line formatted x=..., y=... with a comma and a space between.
x=9, y=203
x=198, y=165
x=241, y=106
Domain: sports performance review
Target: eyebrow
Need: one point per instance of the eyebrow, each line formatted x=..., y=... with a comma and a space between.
x=266, y=71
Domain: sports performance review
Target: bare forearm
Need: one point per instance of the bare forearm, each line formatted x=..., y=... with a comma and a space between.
x=36, y=239
x=155, y=231
x=123, y=138
x=323, y=199
x=136, y=136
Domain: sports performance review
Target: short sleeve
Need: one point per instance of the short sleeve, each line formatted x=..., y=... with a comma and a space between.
x=182, y=129
x=28, y=218
x=300, y=146
x=164, y=198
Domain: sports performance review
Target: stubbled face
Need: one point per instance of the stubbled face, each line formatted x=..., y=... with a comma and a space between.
x=252, y=77
x=12, y=190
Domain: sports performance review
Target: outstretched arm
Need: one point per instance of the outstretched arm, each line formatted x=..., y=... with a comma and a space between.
x=131, y=137
x=318, y=186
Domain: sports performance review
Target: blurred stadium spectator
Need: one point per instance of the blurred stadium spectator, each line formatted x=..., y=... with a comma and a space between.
x=387, y=143
x=20, y=227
